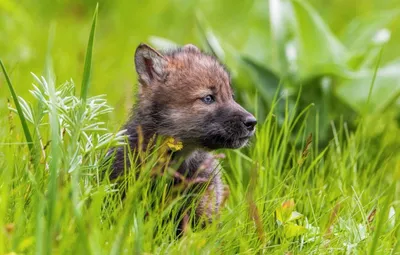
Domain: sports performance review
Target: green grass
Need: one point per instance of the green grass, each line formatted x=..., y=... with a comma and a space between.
x=339, y=199
x=289, y=194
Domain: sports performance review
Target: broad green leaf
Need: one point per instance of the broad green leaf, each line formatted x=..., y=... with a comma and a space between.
x=363, y=59
x=361, y=31
x=264, y=79
x=386, y=88
x=295, y=216
x=284, y=212
x=279, y=13
x=365, y=35
x=317, y=46
x=209, y=37
x=26, y=243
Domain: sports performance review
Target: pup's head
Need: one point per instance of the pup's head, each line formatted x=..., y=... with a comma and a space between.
x=187, y=94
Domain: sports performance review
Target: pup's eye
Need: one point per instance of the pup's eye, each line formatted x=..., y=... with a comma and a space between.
x=209, y=99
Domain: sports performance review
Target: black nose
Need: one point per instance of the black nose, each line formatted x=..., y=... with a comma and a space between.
x=250, y=122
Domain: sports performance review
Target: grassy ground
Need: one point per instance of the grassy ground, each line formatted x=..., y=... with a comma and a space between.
x=289, y=194
x=339, y=199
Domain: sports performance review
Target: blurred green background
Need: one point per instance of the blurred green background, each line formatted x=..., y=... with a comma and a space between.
x=329, y=49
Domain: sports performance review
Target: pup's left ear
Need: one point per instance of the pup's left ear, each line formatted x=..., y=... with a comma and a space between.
x=150, y=64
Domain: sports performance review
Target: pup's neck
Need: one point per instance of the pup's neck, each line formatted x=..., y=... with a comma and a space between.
x=142, y=129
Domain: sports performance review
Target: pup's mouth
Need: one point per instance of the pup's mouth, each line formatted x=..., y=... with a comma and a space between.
x=243, y=138
x=248, y=136
x=238, y=141
x=228, y=141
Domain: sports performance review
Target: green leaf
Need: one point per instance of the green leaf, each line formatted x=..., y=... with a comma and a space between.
x=279, y=12
x=295, y=216
x=360, y=32
x=355, y=92
x=365, y=35
x=292, y=230
x=24, y=124
x=264, y=79
x=284, y=211
x=317, y=46
x=209, y=37
x=26, y=243
x=88, y=60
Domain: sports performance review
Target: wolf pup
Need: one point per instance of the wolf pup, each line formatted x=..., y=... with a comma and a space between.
x=186, y=94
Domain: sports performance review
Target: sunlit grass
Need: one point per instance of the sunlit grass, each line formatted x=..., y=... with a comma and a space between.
x=337, y=200
x=288, y=194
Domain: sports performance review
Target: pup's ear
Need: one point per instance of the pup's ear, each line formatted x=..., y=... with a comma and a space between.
x=191, y=47
x=150, y=64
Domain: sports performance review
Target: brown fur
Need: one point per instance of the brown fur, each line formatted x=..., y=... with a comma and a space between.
x=174, y=101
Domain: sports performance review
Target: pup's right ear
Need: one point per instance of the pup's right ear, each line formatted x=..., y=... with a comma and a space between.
x=191, y=47
x=150, y=64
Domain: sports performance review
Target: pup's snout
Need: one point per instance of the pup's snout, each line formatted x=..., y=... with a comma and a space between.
x=250, y=122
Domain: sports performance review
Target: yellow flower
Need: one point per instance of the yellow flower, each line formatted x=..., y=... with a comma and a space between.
x=174, y=145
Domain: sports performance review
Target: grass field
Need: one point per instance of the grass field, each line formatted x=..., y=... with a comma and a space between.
x=321, y=176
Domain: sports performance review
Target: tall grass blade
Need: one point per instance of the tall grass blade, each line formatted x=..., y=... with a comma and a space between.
x=27, y=133
x=371, y=87
x=44, y=233
x=88, y=60
x=382, y=218
x=56, y=156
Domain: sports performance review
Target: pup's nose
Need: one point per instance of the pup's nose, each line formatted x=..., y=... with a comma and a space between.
x=250, y=122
